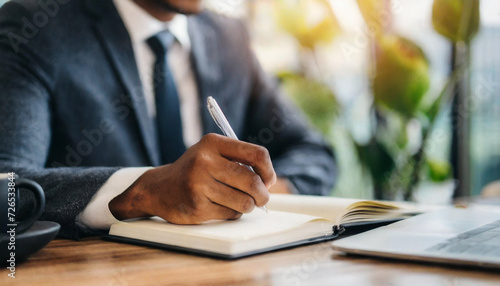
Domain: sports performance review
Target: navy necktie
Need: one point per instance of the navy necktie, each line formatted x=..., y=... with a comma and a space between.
x=168, y=114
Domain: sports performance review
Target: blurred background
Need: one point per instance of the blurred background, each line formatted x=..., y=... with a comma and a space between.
x=391, y=87
x=406, y=91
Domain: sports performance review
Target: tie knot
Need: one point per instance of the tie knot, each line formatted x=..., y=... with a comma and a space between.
x=161, y=42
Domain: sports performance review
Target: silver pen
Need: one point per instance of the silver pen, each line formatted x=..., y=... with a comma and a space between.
x=221, y=121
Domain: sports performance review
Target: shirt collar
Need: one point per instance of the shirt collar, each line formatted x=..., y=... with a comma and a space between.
x=141, y=25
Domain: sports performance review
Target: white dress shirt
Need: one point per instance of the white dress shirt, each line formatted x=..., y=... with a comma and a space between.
x=142, y=26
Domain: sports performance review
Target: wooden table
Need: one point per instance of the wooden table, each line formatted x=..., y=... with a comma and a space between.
x=93, y=261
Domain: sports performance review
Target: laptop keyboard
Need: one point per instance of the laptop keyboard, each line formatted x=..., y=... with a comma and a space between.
x=483, y=241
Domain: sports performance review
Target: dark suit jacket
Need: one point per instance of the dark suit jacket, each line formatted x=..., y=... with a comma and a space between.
x=72, y=110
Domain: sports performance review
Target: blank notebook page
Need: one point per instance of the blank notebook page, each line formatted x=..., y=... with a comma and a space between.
x=256, y=224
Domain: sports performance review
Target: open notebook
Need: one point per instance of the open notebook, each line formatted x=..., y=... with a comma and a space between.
x=292, y=220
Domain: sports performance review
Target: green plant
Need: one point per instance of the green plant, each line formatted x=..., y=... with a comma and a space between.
x=400, y=80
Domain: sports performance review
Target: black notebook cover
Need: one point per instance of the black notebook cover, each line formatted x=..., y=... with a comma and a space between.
x=346, y=229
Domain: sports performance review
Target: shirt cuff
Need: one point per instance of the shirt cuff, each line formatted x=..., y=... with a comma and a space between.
x=96, y=214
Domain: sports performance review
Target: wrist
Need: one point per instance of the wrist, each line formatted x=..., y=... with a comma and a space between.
x=132, y=203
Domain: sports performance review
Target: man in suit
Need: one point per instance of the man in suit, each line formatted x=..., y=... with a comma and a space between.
x=91, y=91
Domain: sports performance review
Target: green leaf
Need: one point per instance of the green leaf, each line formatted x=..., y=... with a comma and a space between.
x=315, y=99
x=377, y=159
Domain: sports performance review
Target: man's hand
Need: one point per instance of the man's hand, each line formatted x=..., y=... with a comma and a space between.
x=205, y=183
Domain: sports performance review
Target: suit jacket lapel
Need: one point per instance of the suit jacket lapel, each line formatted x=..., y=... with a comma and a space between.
x=206, y=64
x=116, y=41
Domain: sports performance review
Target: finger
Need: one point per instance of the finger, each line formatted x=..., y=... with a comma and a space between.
x=231, y=198
x=248, y=154
x=217, y=211
x=238, y=177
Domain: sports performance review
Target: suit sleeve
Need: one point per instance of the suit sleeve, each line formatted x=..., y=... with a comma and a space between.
x=25, y=130
x=298, y=152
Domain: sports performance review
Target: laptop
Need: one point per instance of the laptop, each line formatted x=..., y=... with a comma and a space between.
x=468, y=237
